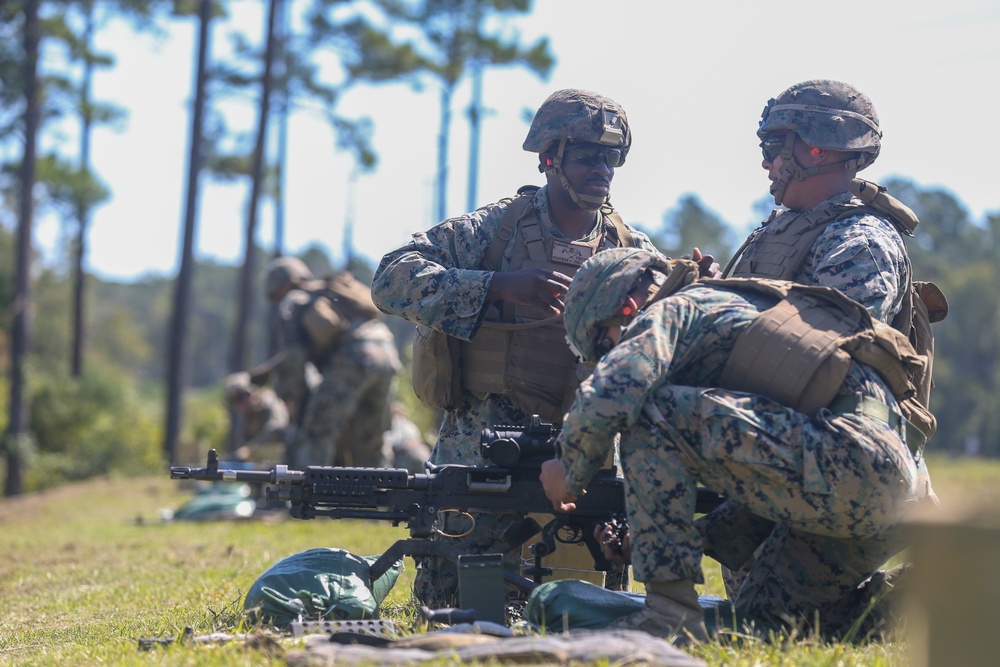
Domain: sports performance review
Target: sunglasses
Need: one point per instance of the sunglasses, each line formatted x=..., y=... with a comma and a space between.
x=591, y=156
x=771, y=147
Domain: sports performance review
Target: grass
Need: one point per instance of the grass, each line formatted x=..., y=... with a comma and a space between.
x=88, y=569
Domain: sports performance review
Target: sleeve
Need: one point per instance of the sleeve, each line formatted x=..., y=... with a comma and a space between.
x=607, y=402
x=863, y=257
x=435, y=279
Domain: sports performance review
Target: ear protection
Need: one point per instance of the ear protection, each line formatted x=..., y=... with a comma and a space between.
x=548, y=162
x=631, y=308
x=816, y=151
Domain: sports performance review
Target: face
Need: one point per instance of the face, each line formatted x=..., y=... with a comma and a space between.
x=590, y=168
x=771, y=147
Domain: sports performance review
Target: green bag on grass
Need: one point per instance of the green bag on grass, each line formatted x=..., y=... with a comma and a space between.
x=318, y=584
x=571, y=604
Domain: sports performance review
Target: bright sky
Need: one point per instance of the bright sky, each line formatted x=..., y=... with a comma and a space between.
x=692, y=77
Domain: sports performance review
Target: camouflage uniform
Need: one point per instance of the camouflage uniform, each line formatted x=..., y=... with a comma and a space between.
x=863, y=256
x=265, y=416
x=836, y=484
x=403, y=445
x=342, y=419
x=436, y=280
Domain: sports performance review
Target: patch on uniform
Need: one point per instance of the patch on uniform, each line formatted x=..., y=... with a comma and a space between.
x=569, y=253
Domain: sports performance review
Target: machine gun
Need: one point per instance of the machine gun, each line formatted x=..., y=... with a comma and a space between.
x=419, y=500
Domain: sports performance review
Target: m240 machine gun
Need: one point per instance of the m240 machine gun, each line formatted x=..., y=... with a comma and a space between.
x=509, y=485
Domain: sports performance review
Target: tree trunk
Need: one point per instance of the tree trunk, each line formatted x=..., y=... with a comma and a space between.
x=177, y=353
x=83, y=211
x=442, y=177
x=248, y=275
x=21, y=315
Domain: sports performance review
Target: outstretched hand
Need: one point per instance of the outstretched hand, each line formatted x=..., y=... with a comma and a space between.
x=707, y=266
x=541, y=288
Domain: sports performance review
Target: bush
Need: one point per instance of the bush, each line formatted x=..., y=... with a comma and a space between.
x=96, y=425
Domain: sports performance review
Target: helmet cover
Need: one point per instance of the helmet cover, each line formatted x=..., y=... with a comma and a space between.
x=285, y=271
x=579, y=116
x=599, y=291
x=826, y=114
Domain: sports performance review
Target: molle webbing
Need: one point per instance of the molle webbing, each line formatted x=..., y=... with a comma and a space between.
x=780, y=355
x=791, y=353
x=781, y=255
x=525, y=354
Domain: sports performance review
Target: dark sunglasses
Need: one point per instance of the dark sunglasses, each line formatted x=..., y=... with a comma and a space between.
x=591, y=156
x=771, y=147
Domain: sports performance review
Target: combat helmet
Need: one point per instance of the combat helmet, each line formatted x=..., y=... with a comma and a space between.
x=574, y=116
x=826, y=114
x=599, y=290
x=284, y=271
x=237, y=385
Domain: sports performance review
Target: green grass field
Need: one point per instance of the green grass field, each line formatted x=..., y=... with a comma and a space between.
x=88, y=569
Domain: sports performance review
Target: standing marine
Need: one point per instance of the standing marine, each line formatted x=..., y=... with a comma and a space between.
x=333, y=326
x=489, y=286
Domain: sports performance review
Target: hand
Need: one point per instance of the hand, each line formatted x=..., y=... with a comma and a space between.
x=707, y=266
x=553, y=479
x=613, y=550
x=540, y=288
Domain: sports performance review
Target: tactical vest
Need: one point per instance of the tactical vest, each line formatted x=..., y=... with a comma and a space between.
x=522, y=350
x=336, y=306
x=780, y=255
x=799, y=351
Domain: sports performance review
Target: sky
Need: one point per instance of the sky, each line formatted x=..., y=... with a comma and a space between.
x=692, y=78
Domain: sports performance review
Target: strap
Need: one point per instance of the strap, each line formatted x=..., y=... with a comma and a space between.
x=876, y=409
x=622, y=233
x=517, y=209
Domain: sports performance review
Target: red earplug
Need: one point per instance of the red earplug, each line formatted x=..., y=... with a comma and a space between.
x=630, y=308
x=816, y=151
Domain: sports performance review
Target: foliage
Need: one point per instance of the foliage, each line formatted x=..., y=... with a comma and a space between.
x=961, y=258
x=89, y=426
x=691, y=225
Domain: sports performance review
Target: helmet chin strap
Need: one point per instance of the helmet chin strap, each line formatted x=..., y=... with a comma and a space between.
x=790, y=168
x=586, y=202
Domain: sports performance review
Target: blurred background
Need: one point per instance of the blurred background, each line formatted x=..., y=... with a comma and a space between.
x=156, y=154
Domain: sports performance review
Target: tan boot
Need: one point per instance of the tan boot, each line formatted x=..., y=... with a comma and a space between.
x=672, y=612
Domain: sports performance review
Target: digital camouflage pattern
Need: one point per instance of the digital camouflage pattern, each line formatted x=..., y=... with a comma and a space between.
x=436, y=280
x=340, y=421
x=826, y=114
x=863, y=256
x=587, y=307
x=836, y=485
x=579, y=116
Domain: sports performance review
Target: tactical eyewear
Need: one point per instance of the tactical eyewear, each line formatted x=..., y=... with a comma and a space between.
x=771, y=147
x=591, y=156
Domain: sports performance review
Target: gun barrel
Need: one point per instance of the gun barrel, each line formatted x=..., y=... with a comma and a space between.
x=212, y=474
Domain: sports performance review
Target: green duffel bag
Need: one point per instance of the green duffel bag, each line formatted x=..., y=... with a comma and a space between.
x=318, y=584
x=570, y=604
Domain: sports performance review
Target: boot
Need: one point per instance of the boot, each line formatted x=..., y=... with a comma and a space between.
x=868, y=611
x=672, y=612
